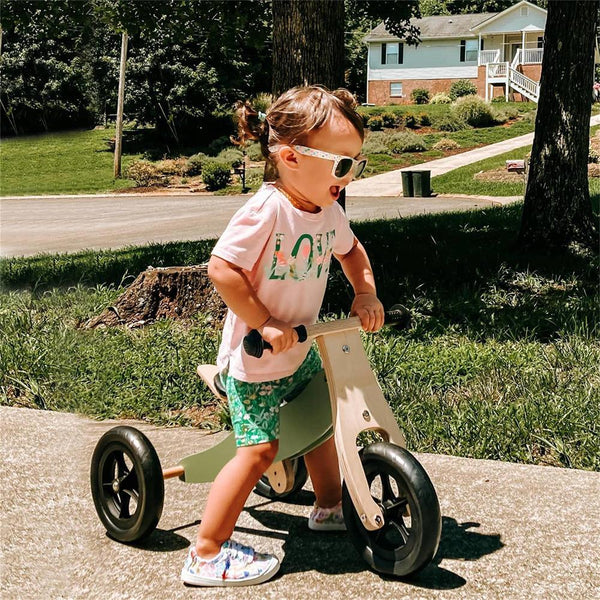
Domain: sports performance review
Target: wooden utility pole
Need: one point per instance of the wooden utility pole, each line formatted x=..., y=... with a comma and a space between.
x=121, y=100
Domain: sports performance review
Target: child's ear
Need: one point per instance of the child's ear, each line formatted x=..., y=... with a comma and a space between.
x=288, y=158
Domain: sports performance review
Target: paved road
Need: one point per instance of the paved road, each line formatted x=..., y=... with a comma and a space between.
x=509, y=531
x=68, y=224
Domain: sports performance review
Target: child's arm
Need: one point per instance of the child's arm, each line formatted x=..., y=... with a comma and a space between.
x=233, y=286
x=366, y=305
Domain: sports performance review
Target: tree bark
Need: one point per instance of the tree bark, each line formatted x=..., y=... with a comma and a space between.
x=308, y=43
x=557, y=208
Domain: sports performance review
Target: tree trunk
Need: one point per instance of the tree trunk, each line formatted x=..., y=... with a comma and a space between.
x=557, y=208
x=308, y=43
x=308, y=48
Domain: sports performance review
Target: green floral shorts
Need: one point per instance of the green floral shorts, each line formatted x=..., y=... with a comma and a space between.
x=254, y=407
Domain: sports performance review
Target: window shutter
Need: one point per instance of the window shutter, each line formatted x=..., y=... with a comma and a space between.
x=400, y=53
x=383, y=50
x=481, y=48
x=540, y=42
x=462, y=50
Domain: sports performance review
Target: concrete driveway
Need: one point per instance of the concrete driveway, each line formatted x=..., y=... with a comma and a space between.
x=509, y=531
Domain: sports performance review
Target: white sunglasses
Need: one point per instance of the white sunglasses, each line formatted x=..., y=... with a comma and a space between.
x=342, y=165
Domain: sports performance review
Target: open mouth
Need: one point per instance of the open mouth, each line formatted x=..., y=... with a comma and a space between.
x=334, y=190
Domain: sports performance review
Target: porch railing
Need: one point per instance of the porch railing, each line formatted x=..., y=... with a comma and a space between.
x=497, y=70
x=489, y=56
x=533, y=56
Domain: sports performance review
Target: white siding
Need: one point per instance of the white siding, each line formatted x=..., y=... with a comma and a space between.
x=513, y=21
x=425, y=73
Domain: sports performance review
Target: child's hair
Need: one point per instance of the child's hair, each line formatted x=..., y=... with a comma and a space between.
x=292, y=117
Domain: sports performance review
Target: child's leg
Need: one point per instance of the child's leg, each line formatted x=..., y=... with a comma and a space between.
x=323, y=468
x=228, y=494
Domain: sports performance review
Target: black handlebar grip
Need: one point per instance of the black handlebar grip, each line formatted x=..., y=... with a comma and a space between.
x=398, y=316
x=254, y=345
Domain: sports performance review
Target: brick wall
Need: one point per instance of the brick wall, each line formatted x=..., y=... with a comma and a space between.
x=379, y=91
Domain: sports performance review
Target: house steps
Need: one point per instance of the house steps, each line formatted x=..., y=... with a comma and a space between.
x=505, y=74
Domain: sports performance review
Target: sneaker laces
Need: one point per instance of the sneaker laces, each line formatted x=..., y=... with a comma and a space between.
x=240, y=552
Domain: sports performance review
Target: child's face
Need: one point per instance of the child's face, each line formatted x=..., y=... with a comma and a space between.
x=310, y=178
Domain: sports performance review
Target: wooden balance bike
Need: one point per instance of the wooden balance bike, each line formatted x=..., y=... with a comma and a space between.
x=390, y=506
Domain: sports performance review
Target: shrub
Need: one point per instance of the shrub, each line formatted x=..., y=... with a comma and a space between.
x=405, y=141
x=500, y=116
x=231, y=156
x=410, y=120
x=375, y=143
x=254, y=151
x=420, y=96
x=389, y=119
x=593, y=155
x=195, y=163
x=177, y=166
x=446, y=144
x=474, y=111
x=219, y=144
x=254, y=177
x=462, y=87
x=448, y=123
x=424, y=119
x=375, y=123
x=145, y=173
x=441, y=98
x=216, y=174
x=499, y=99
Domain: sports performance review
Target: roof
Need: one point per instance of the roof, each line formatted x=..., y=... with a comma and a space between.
x=440, y=26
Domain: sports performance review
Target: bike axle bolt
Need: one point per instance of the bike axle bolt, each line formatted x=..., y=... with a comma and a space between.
x=345, y=348
x=378, y=520
x=366, y=415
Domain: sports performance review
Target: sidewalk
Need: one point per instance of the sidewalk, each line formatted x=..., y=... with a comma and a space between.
x=390, y=184
x=512, y=531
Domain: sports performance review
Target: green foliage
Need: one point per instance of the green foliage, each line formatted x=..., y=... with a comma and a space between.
x=462, y=87
x=406, y=141
x=145, y=173
x=499, y=99
x=424, y=120
x=195, y=163
x=219, y=144
x=254, y=151
x=593, y=155
x=375, y=143
x=231, y=156
x=448, y=123
x=410, y=120
x=389, y=119
x=446, y=144
x=420, y=96
x=375, y=123
x=216, y=174
x=173, y=166
x=262, y=101
x=474, y=111
x=440, y=98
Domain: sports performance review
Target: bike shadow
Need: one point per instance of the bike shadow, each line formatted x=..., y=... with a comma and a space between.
x=333, y=553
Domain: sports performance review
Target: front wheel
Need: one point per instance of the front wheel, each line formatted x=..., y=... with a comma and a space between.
x=127, y=484
x=412, y=526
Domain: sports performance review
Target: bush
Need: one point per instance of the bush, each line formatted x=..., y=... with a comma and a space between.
x=462, y=87
x=145, y=173
x=441, y=98
x=474, y=111
x=389, y=119
x=375, y=123
x=499, y=116
x=446, y=144
x=420, y=96
x=410, y=120
x=593, y=155
x=375, y=143
x=216, y=174
x=448, y=123
x=195, y=163
x=219, y=144
x=254, y=152
x=231, y=156
x=178, y=166
x=499, y=99
x=406, y=141
x=424, y=119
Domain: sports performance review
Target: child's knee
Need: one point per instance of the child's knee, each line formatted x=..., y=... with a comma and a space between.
x=261, y=456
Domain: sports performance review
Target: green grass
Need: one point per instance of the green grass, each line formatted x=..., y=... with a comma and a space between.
x=502, y=361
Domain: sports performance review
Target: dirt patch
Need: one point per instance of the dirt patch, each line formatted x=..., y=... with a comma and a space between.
x=163, y=293
x=499, y=175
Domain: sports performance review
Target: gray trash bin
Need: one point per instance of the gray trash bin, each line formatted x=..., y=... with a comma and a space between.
x=421, y=183
x=407, y=184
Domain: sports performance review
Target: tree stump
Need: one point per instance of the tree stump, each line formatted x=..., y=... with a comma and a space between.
x=163, y=293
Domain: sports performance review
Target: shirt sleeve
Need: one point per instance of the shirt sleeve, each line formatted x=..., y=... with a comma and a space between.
x=344, y=236
x=246, y=235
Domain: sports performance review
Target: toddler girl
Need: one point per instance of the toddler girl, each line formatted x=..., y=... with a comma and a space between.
x=270, y=267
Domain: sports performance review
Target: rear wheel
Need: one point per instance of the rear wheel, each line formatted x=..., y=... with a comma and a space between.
x=412, y=526
x=127, y=484
x=263, y=487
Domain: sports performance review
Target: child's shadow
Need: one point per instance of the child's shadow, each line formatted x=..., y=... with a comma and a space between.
x=333, y=553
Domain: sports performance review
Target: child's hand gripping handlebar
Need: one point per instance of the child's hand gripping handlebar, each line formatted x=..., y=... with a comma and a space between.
x=255, y=345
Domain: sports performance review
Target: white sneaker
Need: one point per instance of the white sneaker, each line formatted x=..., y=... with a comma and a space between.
x=234, y=565
x=327, y=519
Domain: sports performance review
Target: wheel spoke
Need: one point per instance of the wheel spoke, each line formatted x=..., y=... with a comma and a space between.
x=121, y=466
x=124, y=497
x=386, y=488
x=129, y=481
x=400, y=527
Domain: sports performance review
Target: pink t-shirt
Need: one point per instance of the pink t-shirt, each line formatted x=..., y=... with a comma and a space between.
x=285, y=253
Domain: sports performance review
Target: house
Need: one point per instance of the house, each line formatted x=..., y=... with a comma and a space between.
x=501, y=53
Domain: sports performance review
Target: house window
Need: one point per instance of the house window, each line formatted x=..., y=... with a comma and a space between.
x=540, y=42
x=468, y=50
x=392, y=54
x=396, y=90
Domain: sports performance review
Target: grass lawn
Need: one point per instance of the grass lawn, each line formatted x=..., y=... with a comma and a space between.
x=502, y=361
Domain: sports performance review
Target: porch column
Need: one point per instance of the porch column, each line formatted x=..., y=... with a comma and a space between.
x=479, y=50
x=522, y=46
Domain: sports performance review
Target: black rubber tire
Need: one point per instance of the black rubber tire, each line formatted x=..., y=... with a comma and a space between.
x=263, y=487
x=407, y=542
x=115, y=484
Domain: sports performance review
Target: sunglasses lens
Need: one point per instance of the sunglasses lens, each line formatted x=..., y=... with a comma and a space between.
x=343, y=167
x=360, y=167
